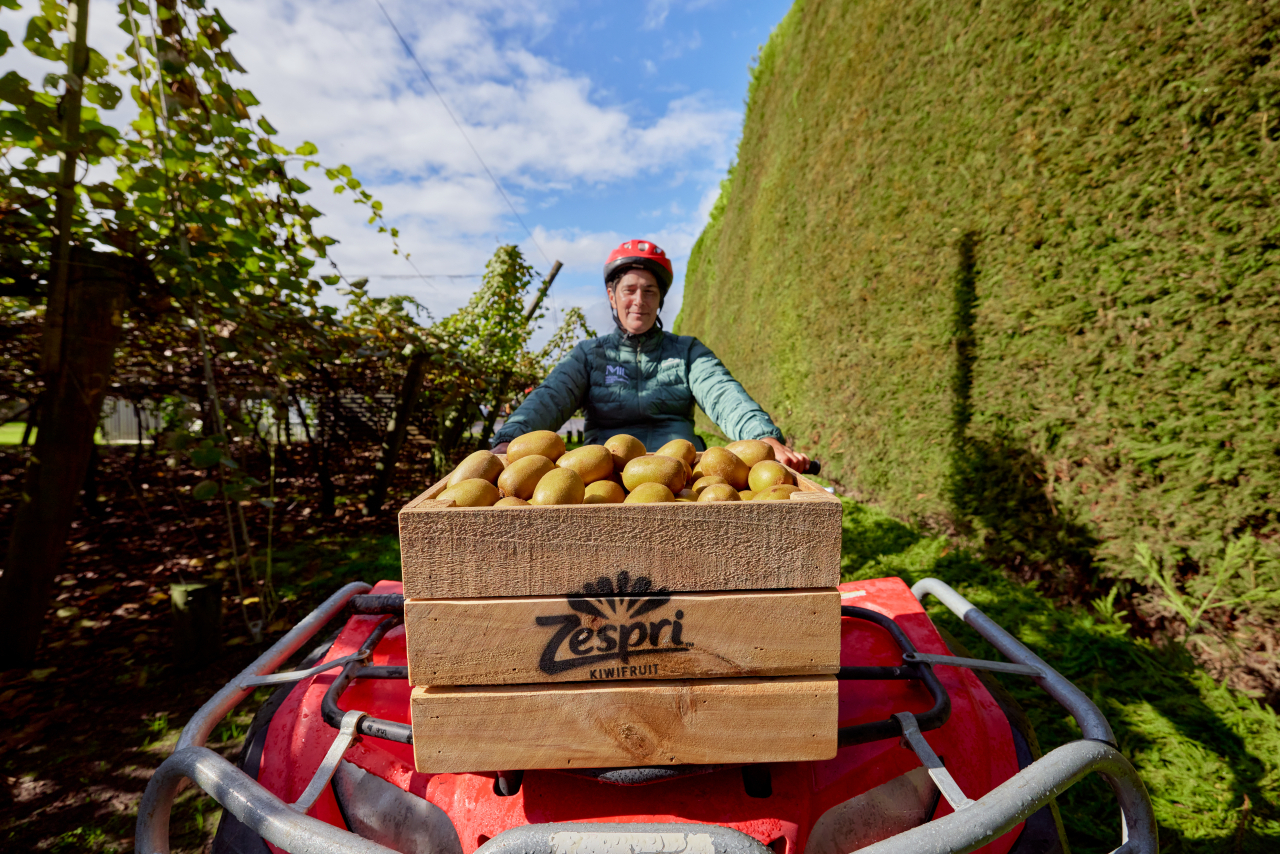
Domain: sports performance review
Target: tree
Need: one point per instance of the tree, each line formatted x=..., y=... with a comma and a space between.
x=201, y=225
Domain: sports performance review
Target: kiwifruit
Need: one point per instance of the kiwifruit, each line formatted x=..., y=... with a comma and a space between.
x=751, y=451
x=746, y=494
x=481, y=464
x=719, y=492
x=703, y=482
x=472, y=492
x=624, y=449
x=604, y=492
x=650, y=493
x=767, y=473
x=591, y=462
x=781, y=492
x=521, y=477
x=558, y=486
x=681, y=449
x=725, y=464
x=652, y=468
x=543, y=443
x=511, y=501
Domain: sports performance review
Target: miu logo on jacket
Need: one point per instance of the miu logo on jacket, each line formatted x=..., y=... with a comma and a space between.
x=614, y=374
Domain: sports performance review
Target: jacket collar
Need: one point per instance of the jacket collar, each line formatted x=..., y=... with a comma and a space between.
x=644, y=341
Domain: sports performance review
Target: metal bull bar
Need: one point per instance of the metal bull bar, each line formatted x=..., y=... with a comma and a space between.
x=973, y=824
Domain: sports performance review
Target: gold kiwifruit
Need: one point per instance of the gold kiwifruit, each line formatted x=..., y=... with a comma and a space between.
x=650, y=493
x=472, y=492
x=591, y=462
x=604, y=492
x=652, y=468
x=481, y=464
x=719, y=492
x=767, y=473
x=725, y=464
x=751, y=451
x=542, y=443
x=511, y=501
x=746, y=494
x=521, y=477
x=558, y=486
x=681, y=449
x=624, y=448
x=781, y=492
x=703, y=482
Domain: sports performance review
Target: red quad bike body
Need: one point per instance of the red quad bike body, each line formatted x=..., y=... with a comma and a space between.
x=868, y=793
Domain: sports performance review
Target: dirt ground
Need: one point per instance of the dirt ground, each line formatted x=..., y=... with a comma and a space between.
x=105, y=702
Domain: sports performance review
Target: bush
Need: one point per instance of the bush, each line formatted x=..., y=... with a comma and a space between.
x=1013, y=266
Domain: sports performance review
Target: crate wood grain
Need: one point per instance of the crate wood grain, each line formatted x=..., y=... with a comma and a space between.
x=620, y=635
x=450, y=552
x=698, y=721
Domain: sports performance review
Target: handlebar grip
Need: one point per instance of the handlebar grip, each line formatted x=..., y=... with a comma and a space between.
x=815, y=467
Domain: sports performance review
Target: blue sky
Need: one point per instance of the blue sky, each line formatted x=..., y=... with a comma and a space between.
x=603, y=121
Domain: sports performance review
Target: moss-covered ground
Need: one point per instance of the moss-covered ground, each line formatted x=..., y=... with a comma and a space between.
x=1210, y=757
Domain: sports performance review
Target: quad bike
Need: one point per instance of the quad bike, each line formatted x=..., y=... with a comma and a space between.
x=934, y=757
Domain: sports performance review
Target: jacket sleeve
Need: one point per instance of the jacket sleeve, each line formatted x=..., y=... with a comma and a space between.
x=724, y=399
x=551, y=404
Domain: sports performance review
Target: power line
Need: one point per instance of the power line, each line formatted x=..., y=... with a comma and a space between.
x=458, y=125
x=424, y=275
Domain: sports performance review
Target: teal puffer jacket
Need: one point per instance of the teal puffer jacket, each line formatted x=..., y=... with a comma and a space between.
x=644, y=386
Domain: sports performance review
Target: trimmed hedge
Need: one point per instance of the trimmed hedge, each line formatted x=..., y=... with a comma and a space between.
x=1013, y=265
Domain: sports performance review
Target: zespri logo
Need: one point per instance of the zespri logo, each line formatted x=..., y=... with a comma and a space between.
x=606, y=627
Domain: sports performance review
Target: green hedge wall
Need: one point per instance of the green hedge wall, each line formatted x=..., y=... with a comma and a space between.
x=1013, y=265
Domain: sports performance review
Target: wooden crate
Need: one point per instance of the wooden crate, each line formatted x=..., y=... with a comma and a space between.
x=643, y=635
x=702, y=721
x=449, y=552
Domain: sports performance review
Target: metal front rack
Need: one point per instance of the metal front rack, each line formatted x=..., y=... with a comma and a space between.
x=973, y=824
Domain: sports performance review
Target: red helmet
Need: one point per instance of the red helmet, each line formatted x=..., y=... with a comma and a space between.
x=640, y=253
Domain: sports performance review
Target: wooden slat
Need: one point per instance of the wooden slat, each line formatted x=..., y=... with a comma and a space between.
x=452, y=552
x=703, y=721
x=671, y=636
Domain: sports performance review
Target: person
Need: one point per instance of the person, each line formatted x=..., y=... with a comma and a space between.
x=641, y=379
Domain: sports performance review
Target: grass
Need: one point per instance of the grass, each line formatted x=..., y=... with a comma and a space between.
x=1210, y=757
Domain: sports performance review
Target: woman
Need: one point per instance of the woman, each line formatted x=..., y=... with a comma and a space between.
x=640, y=379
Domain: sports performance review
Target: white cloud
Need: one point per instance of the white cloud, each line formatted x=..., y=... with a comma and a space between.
x=334, y=73
x=655, y=13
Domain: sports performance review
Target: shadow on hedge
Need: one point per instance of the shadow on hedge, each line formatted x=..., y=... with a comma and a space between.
x=996, y=484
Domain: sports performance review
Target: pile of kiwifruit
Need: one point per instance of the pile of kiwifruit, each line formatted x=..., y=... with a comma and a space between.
x=539, y=471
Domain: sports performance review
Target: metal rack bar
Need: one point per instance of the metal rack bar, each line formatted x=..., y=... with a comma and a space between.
x=891, y=727
x=1093, y=724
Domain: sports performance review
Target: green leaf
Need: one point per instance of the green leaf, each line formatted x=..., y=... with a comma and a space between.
x=5, y=43
x=226, y=60
x=205, y=490
x=15, y=89
x=307, y=149
x=98, y=65
x=267, y=127
x=204, y=458
x=105, y=95
x=17, y=130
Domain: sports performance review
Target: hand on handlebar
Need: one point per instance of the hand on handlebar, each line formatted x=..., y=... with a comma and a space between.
x=787, y=456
